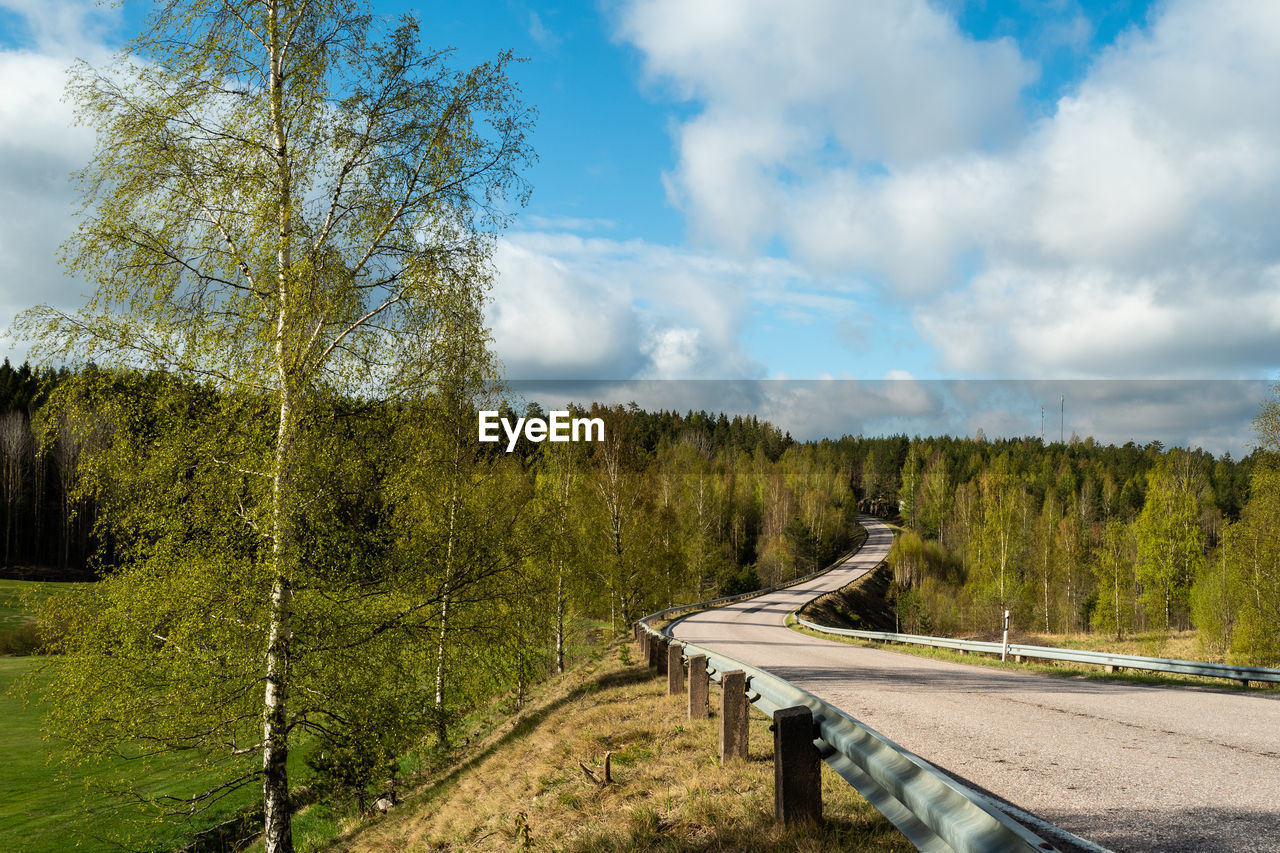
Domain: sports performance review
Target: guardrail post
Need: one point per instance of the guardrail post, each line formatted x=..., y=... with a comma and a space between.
x=651, y=649
x=660, y=653
x=797, y=779
x=698, y=682
x=1004, y=647
x=733, y=715
x=675, y=669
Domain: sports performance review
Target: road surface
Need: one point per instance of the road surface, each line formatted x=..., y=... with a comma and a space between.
x=1130, y=767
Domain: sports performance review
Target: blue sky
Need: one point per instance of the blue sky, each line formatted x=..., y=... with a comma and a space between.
x=757, y=189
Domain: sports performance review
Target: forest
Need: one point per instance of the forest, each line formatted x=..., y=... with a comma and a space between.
x=439, y=572
x=1070, y=537
x=1086, y=538
x=445, y=572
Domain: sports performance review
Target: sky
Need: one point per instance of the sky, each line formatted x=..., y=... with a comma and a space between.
x=919, y=194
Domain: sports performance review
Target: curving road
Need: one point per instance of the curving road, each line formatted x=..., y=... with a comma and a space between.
x=1131, y=767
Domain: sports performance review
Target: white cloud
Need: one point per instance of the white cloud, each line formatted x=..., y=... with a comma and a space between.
x=1100, y=323
x=1135, y=230
x=63, y=27
x=566, y=306
x=41, y=146
x=786, y=85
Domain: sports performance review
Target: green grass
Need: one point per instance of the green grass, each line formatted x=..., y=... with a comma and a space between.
x=18, y=601
x=44, y=808
x=18, y=598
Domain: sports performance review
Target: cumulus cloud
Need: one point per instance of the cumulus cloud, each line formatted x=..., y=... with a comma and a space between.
x=569, y=306
x=1133, y=230
x=40, y=147
x=887, y=84
x=1101, y=322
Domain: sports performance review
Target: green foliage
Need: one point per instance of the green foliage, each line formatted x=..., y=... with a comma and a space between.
x=22, y=638
x=1170, y=541
x=1113, y=569
x=357, y=759
x=1252, y=575
x=998, y=546
x=743, y=580
x=910, y=609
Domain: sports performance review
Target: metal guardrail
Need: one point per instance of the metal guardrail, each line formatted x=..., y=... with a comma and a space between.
x=934, y=811
x=1183, y=667
x=743, y=596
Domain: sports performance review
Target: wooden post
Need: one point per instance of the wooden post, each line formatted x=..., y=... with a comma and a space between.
x=675, y=669
x=797, y=778
x=651, y=650
x=733, y=715
x=698, y=683
x=660, y=653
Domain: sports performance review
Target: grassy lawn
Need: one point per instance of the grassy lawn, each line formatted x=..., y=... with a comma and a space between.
x=46, y=806
x=43, y=808
x=18, y=597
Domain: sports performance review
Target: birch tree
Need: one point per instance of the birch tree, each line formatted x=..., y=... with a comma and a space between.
x=560, y=470
x=1113, y=568
x=999, y=540
x=1170, y=541
x=285, y=199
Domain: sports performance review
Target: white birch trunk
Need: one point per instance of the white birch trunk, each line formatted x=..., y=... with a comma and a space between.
x=277, y=810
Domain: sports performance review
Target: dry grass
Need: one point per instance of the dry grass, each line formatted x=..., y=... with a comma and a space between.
x=1183, y=645
x=1060, y=669
x=527, y=790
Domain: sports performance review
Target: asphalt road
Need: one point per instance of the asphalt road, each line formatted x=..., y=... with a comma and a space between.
x=1127, y=766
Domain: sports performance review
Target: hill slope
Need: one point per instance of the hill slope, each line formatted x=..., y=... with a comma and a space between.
x=526, y=789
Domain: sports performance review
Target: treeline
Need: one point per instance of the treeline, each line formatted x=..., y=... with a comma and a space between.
x=437, y=572
x=433, y=573
x=1081, y=537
